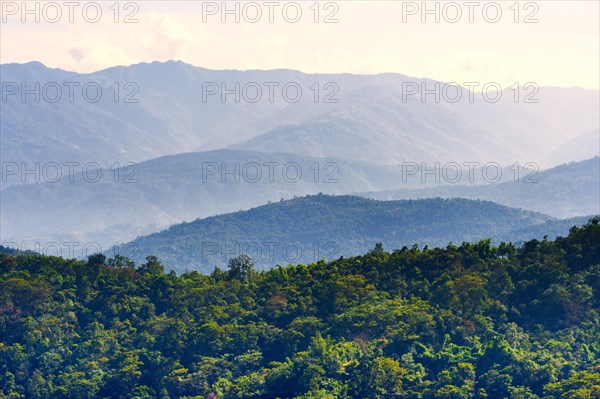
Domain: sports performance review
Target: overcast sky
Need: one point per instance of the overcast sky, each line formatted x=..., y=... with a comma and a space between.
x=558, y=47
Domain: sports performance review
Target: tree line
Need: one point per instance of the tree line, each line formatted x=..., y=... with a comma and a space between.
x=469, y=321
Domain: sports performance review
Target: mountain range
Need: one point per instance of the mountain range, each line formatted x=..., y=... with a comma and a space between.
x=171, y=142
x=143, y=111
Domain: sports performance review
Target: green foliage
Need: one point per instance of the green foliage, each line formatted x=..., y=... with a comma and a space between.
x=241, y=268
x=466, y=322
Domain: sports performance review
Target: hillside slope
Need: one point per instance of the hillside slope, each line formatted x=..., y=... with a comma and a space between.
x=306, y=229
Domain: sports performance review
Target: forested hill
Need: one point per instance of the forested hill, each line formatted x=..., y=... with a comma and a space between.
x=306, y=229
x=473, y=321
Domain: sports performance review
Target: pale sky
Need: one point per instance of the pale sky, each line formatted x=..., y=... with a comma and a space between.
x=560, y=49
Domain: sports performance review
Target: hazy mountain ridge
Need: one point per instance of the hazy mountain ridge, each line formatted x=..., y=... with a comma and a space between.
x=155, y=194
x=304, y=230
x=381, y=123
x=580, y=148
x=171, y=114
x=568, y=190
x=379, y=127
x=142, y=198
x=365, y=117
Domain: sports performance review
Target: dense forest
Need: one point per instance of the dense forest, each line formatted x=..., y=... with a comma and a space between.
x=469, y=321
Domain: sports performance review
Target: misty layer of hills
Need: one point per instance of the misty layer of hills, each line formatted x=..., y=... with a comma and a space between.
x=304, y=230
x=153, y=195
x=176, y=142
x=568, y=190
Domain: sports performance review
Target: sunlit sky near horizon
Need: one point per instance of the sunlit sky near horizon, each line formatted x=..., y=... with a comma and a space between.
x=560, y=49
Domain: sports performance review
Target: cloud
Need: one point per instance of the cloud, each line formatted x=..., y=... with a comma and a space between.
x=97, y=49
x=160, y=37
x=76, y=53
x=168, y=38
x=468, y=66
